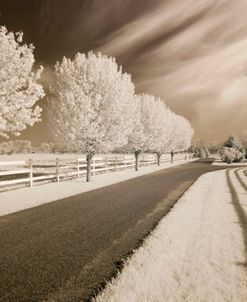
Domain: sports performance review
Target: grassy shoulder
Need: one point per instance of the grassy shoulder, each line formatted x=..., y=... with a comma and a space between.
x=197, y=252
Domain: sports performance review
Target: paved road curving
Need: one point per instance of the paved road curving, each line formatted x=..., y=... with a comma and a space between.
x=64, y=250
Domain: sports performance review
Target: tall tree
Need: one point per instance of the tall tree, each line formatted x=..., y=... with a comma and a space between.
x=151, y=127
x=183, y=133
x=19, y=90
x=91, y=104
x=137, y=137
x=161, y=127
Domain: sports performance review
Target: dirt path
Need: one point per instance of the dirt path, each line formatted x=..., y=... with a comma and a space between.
x=197, y=253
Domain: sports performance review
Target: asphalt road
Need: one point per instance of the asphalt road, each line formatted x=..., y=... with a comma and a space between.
x=65, y=250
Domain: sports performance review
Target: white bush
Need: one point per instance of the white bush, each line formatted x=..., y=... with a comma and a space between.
x=230, y=155
x=19, y=90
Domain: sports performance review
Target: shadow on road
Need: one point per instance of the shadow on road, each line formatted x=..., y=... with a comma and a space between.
x=239, y=209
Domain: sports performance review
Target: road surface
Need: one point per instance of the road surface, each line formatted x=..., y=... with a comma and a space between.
x=67, y=249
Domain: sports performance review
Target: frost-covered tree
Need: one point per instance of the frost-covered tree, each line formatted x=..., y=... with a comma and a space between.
x=244, y=144
x=230, y=155
x=137, y=138
x=233, y=142
x=156, y=124
x=15, y=147
x=19, y=90
x=46, y=148
x=157, y=129
x=159, y=143
x=91, y=104
x=199, y=148
x=182, y=133
x=172, y=133
x=214, y=147
x=151, y=126
x=233, y=150
x=22, y=146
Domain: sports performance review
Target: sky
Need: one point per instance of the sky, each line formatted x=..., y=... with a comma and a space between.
x=191, y=53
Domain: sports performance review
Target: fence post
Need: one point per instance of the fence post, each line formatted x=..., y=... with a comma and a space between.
x=30, y=165
x=116, y=163
x=94, y=167
x=125, y=166
x=106, y=164
x=57, y=169
x=78, y=168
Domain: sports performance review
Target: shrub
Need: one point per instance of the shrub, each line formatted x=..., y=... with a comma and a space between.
x=201, y=152
x=231, y=155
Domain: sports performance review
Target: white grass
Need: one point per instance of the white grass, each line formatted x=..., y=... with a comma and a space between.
x=221, y=163
x=47, y=156
x=195, y=254
x=39, y=156
x=24, y=198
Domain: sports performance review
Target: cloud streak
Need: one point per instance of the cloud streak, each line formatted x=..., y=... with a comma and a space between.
x=190, y=53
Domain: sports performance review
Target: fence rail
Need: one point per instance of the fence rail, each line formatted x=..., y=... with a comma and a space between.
x=34, y=172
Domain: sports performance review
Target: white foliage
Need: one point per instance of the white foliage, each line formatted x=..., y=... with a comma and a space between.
x=92, y=103
x=14, y=147
x=182, y=133
x=157, y=128
x=150, y=121
x=137, y=138
x=19, y=90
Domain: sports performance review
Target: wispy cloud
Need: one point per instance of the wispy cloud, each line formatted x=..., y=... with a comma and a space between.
x=191, y=53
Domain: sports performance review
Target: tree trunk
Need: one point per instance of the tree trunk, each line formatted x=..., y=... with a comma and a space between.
x=137, y=160
x=158, y=158
x=243, y=157
x=172, y=155
x=89, y=164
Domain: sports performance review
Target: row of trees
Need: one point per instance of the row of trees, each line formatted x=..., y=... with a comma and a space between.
x=91, y=103
x=200, y=149
x=94, y=104
x=25, y=146
x=233, y=149
x=17, y=146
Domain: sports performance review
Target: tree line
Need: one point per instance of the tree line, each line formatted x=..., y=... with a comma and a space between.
x=91, y=102
x=232, y=150
x=19, y=146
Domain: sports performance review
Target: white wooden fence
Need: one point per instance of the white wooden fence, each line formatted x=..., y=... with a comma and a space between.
x=33, y=172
